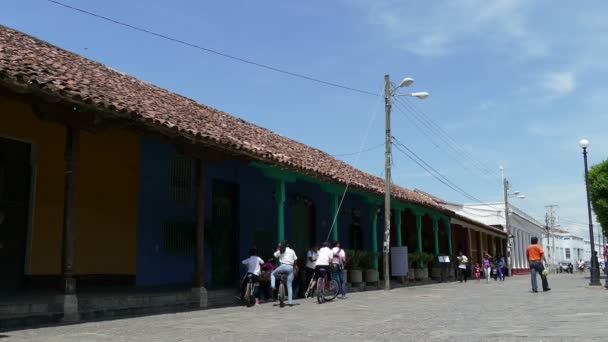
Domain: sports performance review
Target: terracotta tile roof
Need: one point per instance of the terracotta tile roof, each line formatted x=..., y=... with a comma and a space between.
x=32, y=64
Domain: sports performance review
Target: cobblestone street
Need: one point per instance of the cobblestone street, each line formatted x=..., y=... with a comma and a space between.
x=456, y=312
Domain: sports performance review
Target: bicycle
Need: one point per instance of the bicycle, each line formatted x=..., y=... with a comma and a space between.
x=250, y=289
x=282, y=292
x=326, y=290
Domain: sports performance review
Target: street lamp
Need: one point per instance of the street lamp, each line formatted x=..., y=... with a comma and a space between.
x=516, y=194
x=388, y=96
x=595, y=271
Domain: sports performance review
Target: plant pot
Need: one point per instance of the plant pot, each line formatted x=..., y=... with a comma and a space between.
x=411, y=274
x=422, y=273
x=355, y=276
x=435, y=272
x=371, y=276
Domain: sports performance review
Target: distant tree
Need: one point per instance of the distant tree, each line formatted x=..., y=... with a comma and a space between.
x=598, y=190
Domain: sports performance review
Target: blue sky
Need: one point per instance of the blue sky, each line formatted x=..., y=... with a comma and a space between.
x=514, y=83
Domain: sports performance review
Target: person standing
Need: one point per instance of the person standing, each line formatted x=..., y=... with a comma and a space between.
x=463, y=263
x=337, y=265
x=487, y=266
x=311, y=260
x=287, y=259
x=536, y=255
x=501, y=268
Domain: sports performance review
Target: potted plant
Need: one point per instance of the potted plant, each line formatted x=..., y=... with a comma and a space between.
x=353, y=266
x=413, y=259
x=422, y=272
x=367, y=264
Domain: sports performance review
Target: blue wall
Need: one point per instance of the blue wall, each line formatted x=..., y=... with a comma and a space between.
x=257, y=211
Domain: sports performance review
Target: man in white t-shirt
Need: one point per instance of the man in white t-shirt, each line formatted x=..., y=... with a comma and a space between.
x=254, y=264
x=311, y=260
x=287, y=258
x=463, y=262
x=338, y=260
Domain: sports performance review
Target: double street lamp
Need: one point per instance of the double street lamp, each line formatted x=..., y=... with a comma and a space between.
x=595, y=270
x=389, y=93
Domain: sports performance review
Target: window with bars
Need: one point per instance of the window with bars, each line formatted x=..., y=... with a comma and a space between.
x=181, y=179
x=567, y=253
x=179, y=238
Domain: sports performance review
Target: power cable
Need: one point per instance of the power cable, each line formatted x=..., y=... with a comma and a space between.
x=408, y=113
x=375, y=147
x=448, y=136
x=216, y=52
x=436, y=174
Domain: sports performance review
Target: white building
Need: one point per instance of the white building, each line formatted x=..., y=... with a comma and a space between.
x=563, y=246
x=522, y=227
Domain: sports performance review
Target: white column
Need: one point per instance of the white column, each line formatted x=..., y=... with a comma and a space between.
x=518, y=250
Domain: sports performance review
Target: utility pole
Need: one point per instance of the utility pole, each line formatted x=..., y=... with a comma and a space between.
x=387, y=182
x=550, y=221
x=505, y=185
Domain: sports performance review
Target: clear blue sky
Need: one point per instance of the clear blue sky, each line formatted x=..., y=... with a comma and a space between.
x=514, y=83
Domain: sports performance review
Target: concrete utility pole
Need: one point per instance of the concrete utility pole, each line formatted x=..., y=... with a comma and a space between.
x=550, y=221
x=389, y=92
x=505, y=184
x=387, y=181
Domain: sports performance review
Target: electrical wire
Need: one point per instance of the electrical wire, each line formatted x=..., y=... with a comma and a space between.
x=375, y=147
x=216, y=52
x=442, y=132
x=363, y=142
x=432, y=171
x=407, y=111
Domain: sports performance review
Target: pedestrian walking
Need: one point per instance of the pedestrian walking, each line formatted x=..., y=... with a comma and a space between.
x=463, y=264
x=487, y=266
x=536, y=255
x=501, y=268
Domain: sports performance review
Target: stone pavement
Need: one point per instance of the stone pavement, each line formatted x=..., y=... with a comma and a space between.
x=507, y=311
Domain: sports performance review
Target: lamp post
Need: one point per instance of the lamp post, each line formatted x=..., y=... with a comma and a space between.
x=505, y=184
x=389, y=92
x=595, y=271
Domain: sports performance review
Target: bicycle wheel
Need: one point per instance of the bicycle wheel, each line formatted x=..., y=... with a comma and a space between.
x=249, y=295
x=320, y=290
x=281, y=294
x=331, y=290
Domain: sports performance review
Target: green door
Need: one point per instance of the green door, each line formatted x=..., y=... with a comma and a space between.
x=15, y=173
x=223, y=235
x=303, y=228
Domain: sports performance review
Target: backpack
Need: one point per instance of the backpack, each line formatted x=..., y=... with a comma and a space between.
x=336, y=261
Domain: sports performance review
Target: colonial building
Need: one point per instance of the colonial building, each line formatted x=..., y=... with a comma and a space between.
x=522, y=227
x=109, y=181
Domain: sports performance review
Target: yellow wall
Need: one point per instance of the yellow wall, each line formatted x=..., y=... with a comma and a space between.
x=106, y=199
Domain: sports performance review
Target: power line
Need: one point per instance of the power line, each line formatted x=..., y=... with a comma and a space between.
x=436, y=174
x=454, y=154
x=375, y=147
x=448, y=136
x=216, y=52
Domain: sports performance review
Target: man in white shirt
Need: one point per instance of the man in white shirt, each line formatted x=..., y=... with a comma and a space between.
x=463, y=262
x=287, y=258
x=253, y=267
x=311, y=260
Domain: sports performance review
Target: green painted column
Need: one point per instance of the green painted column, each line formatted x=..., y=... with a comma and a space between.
x=280, y=198
x=398, y=226
x=374, y=216
x=436, y=233
x=448, y=228
x=334, y=204
x=419, y=229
